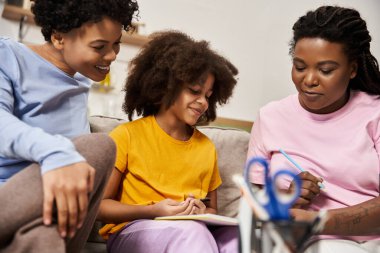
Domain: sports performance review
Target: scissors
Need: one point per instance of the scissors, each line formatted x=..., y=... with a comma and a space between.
x=277, y=204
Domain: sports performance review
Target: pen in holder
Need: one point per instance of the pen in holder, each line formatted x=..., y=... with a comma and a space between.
x=278, y=232
x=271, y=235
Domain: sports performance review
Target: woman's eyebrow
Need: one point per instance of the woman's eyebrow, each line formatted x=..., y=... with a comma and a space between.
x=328, y=62
x=104, y=41
x=295, y=59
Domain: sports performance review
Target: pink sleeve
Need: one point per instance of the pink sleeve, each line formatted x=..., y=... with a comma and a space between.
x=256, y=148
x=374, y=129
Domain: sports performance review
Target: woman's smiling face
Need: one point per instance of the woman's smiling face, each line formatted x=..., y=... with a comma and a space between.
x=91, y=48
x=321, y=73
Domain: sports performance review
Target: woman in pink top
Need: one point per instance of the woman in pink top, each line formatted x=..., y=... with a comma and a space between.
x=331, y=128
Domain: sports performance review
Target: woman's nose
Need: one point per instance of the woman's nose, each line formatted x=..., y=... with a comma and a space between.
x=311, y=79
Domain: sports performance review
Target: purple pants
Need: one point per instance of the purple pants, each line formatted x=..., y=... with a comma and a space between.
x=148, y=236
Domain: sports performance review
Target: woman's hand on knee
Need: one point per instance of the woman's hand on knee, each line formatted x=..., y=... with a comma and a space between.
x=68, y=187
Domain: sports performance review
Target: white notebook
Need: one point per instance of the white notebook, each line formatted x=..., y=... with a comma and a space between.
x=210, y=219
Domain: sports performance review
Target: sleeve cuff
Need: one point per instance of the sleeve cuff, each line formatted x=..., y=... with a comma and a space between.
x=60, y=159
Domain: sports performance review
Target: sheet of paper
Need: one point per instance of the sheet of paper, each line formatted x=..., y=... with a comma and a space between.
x=209, y=219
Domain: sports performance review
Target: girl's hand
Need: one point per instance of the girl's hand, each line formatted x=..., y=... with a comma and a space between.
x=198, y=206
x=169, y=207
x=309, y=189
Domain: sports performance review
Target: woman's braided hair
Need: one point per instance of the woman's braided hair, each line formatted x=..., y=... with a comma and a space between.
x=344, y=26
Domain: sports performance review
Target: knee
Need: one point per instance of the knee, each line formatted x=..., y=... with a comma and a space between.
x=195, y=236
x=194, y=229
x=105, y=147
x=98, y=149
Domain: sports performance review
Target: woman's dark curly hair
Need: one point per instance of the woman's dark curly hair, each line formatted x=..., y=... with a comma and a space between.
x=345, y=26
x=166, y=64
x=65, y=15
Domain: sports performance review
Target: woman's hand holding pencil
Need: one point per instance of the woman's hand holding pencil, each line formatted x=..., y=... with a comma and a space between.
x=311, y=185
x=309, y=189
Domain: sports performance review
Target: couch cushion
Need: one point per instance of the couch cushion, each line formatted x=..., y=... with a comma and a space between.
x=102, y=124
x=232, y=147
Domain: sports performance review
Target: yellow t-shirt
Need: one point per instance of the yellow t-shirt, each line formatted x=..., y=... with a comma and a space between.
x=156, y=166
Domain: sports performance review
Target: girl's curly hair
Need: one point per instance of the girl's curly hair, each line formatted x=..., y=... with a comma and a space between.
x=345, y=26
x=166, y=64
x=65, y=15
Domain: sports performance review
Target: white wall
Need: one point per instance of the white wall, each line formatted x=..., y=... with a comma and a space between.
x=253, y=34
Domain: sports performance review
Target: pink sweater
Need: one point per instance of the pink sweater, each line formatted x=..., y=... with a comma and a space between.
x=342, y=147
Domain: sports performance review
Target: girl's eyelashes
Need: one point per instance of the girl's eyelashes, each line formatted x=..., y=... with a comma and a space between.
x=194, y=91
x=198, y=91
x=98, y=47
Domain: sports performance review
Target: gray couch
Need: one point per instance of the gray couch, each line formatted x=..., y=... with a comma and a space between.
x=231, y=145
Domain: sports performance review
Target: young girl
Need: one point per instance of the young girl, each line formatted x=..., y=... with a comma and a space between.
x=331, y=128
x=164, y=164
x=50, y=183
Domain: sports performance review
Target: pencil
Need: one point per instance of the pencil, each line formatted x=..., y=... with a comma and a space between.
x=205, y=200
x=298, y=166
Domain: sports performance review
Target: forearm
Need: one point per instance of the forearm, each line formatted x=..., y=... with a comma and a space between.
x=112, y=211
x=361, y=219
x=23, y=142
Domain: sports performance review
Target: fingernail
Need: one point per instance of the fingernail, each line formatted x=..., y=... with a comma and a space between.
x=79, y=225
x=47, y=222
x=63, y=234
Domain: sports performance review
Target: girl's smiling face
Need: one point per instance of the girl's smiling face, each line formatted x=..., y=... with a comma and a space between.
x=321, y=73
x=192, y=102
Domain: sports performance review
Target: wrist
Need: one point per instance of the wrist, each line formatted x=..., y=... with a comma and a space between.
x=151, y=211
